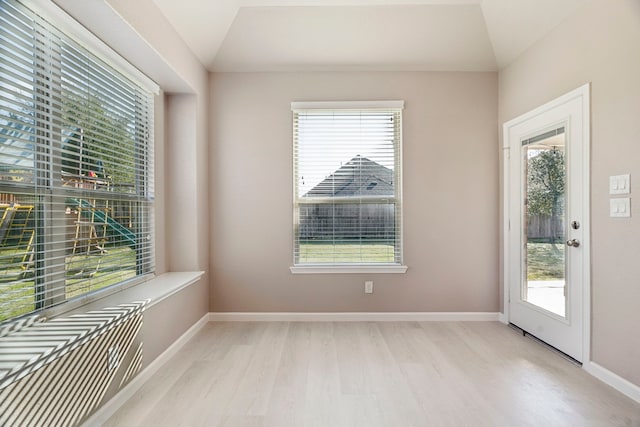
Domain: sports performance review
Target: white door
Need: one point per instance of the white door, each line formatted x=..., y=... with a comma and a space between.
x=547, y=223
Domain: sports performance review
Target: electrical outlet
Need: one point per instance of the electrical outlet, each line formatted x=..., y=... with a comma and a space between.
x=113, y=358
x=368, y=287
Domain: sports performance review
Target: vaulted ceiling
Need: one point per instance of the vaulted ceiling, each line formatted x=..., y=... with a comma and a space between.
x=316, y=35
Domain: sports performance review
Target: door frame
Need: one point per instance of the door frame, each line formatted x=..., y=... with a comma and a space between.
x=582, y=93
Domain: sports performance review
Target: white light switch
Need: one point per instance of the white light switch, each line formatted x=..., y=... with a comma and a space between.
x=619, y=184
x=620, y=208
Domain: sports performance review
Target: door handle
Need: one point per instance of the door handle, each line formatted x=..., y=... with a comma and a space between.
x=573, y=242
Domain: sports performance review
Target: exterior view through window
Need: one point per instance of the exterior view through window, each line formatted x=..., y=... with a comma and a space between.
x=544, y=216
x=347, y=192
x=75, y=168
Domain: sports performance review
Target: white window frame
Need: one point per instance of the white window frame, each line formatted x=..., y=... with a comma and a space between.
x=368, y=268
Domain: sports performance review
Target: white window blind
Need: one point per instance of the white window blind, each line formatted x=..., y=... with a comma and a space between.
x=347, y=189
x=76, y=168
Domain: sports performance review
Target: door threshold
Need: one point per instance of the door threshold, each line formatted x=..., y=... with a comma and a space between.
x=547, y=345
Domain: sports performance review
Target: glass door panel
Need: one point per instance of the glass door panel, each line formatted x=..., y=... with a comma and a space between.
x=544, y=221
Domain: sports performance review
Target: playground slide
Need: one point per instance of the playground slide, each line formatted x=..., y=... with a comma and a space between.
x=102, y=217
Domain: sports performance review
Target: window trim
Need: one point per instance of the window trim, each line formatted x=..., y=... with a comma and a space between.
x=348, y=269
x=355, y=268
x=345, y=105
x=69, y=25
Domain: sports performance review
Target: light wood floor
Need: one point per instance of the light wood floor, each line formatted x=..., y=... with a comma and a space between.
x=371, y=374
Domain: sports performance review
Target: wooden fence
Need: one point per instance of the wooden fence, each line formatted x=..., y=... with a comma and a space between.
x=545, y=227
x=347, y=221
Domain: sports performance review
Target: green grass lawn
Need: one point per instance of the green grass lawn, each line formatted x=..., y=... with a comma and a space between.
x=89, y=273
x=84, y=273
x=345, y=253
x=17, y=290
x=545, y=261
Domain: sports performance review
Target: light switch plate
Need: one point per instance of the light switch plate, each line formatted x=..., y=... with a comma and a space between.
x=620, y=208
x=619, y=184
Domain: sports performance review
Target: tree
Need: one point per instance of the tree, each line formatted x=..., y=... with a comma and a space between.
x=546, y=187
x=99, y=143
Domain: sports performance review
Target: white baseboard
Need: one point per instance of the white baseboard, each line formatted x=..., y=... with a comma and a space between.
x=502, y=317
x=354, y=317
x=110, y=407
x=614, y=380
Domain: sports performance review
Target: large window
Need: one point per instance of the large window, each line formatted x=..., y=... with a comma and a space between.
x=76, y=164
x=347, y=191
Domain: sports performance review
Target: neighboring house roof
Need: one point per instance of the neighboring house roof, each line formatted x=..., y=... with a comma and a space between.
x=358, y=177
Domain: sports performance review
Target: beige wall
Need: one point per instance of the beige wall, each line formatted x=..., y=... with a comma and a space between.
x=182, y=199
x=140, y=33
x=450, y=149
x=185, y=128
x=600, y=45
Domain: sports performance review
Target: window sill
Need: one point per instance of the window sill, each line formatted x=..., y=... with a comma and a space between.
x=150, y=287
x=26, y=350
x=154, y=290
x=162, y=286
x=349, y=269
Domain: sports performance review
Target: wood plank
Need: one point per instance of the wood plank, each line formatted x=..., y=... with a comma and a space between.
x=371, y=374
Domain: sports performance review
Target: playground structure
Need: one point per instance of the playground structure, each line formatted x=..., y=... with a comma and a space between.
x=17, y=232
x=95, y=217
x=90, y=225
x=79, y=228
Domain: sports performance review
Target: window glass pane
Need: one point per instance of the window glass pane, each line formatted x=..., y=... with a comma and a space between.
x=347, y=233
x=545, y=222
x=99, y=113
x=16, y=147
x=17, y=246
x=347, y=196
x=100, y=243
x=339, y=144
x=17, y=121
x=76, y=168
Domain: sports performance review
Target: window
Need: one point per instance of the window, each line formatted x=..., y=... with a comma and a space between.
x=76, y=168
x=347, y=189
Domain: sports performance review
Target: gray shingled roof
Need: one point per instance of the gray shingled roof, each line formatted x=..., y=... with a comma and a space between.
x=358, y=177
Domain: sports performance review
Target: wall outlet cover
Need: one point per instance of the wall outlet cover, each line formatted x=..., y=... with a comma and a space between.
x=368, y=287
